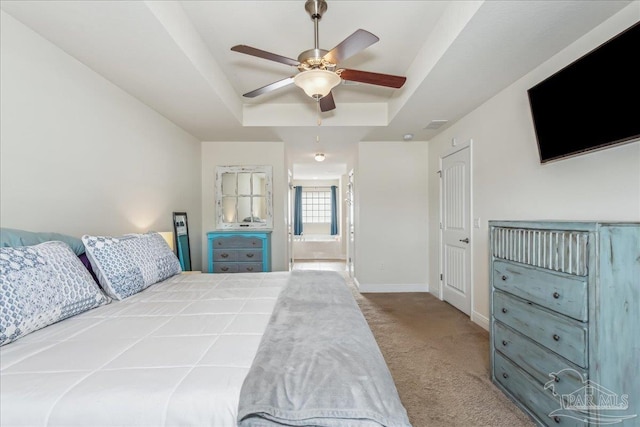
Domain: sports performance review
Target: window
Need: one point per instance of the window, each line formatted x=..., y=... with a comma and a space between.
x=316, y=206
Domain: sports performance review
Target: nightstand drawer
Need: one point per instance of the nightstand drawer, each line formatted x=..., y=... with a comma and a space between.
x=529, y=393
x=237, y=267
x=556, y=291
x=565, y=336
x=538, y=361
x=237, y=242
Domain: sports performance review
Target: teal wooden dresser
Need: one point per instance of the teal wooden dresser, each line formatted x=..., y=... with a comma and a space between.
x=239, y=251
x=565, y=320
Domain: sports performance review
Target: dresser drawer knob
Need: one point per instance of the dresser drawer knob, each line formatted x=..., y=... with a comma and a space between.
x=504, y=342
x=249, y=255
x=556, y=378
x=225, y=268
x=556, y=337
x=504, y=310
x=504, y=278
x=556, y=295
x=504, y=375
x=224, y=255
x=556, y=419
x=249, y=268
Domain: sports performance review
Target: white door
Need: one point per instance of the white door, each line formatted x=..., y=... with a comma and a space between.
x=351, y=230
x=290, y=219
x=456, y=230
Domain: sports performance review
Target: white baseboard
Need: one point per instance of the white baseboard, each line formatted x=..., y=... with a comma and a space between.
x=480, y=320
x=402, y=287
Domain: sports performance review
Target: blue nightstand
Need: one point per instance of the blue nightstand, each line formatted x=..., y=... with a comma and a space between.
x=239, y=251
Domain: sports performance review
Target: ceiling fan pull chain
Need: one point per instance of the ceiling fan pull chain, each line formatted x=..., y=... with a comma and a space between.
x=318, y=111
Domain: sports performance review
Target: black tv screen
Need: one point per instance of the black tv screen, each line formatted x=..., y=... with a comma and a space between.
x=592, y=103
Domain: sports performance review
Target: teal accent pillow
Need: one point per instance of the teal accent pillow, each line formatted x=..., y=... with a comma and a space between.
x=13, y=238
x=128, y=264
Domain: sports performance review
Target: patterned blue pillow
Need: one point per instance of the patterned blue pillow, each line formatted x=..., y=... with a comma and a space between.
x=41, y=285
x=129, y=264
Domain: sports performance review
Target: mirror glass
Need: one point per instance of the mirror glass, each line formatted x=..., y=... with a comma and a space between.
x=244, y=184
x=259, y=180
x=181, y=232
x=244, y=197
x=259, y=208
x=244, y=209
x=229, y=184
x=229, y=209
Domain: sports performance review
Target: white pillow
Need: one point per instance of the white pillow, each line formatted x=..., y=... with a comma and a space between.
x=131, y=263
x=41, y=285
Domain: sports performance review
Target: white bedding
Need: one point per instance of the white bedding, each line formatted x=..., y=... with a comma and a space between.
x=174, y=354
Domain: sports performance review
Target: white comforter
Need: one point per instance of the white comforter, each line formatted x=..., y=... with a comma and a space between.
x=175, y=354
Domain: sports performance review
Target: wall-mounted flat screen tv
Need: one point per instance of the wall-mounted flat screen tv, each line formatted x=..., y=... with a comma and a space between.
x=591, y=104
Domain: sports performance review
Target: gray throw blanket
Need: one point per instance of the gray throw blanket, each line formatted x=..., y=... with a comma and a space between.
x=318, y=363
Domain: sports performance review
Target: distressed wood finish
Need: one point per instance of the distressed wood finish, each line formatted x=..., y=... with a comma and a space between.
x=565, y=313
x=565, y=294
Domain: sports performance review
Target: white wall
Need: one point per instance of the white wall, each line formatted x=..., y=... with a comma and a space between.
x=246, y=154
x=392, y=216
x=510, y=183
x=79, y=155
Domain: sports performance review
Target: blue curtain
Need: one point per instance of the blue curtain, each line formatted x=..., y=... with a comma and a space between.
x=297, y=211
x=334, y=210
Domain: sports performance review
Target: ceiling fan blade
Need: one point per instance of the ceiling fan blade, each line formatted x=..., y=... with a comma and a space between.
x=327, y=103
x=378, y=79
x=353, y=44
x=264, y=54
x=269, y=87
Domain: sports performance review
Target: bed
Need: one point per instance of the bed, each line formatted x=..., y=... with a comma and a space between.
x=258, y=349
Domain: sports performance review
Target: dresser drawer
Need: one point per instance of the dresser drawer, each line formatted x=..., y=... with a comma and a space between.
x=530, y=394
x=565, y=336
x=245, y=255
x=237, y=242
x=237, y=267
x=556, y=291
x=538, y=361
x=223, y=255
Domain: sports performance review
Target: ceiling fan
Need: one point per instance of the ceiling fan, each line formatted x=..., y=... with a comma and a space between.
x=318, y=68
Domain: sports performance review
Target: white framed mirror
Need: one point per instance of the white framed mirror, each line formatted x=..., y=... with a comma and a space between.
x=244, y=197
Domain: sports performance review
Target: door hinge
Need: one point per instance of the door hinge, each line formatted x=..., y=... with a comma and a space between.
x=441, y=226
x=439, y=174
x=441, y=277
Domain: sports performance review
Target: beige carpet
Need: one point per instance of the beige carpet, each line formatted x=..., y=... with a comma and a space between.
x=439, y=360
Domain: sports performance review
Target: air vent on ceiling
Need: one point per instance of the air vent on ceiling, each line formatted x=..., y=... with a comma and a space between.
x=436, y=124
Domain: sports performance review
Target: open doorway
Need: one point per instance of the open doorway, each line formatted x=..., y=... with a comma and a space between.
x=319, y=216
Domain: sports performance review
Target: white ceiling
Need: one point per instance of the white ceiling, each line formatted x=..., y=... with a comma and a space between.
x=175, y=57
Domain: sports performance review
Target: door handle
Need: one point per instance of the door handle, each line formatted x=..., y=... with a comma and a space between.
x=466, y=240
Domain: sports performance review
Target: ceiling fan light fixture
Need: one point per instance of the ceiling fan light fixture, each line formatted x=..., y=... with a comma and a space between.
x=319, y=157
x=316, y=83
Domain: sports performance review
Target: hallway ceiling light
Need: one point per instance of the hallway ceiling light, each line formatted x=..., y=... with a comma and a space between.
x=319, y=157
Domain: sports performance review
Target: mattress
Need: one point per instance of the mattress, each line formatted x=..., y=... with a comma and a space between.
x=175, y=354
